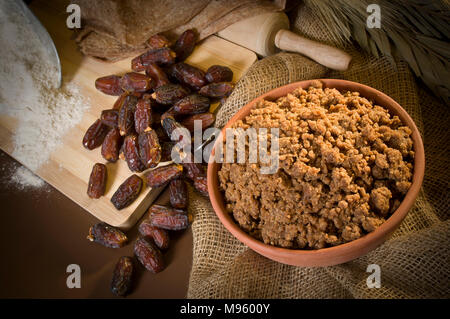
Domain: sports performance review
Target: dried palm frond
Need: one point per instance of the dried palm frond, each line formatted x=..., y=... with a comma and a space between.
x=416, y=30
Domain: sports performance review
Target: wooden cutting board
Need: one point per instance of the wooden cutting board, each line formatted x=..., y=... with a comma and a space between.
x=69, y=166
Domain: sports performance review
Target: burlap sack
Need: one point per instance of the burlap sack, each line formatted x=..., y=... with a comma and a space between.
x=414, y=262
x=117, y=29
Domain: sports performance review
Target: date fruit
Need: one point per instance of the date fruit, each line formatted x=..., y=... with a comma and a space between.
x=95, y=135
x=110, y=117
x=222, y=100
x=157, y=74
x=207, y=119
x=163, y=175
x=169, y=94
x=111, y=145
x=143, y=118
x=185, y=44
x=200, y=184
x=217, y=90
x=126, y=115
x=169, y=218
x=169, y=125
x=160, y=236
x=149, y=255
x=219, y=73
x=97, y=181
x=131, y=153
x=163, y=56
x=136, y=64
x=192, y=170
x=157, y=41
x=127, y=192
x=166, y=151
x=169, y=113
x=109, y=85
x=191, y=104
x=122, y=276
x=136, y=82
x=188, y=75
x=147, y=96
x=162, y=137
x=149, y=148
x=178, y=194
x=107, y=235
x=118, y=104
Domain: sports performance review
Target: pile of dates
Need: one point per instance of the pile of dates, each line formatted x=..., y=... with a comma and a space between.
x=153, y=240
x=161, y=94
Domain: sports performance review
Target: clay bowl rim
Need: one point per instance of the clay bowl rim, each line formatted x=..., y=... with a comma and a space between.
x=344, y=252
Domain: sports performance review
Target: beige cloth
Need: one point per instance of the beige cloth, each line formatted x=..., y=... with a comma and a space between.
x=415, y=261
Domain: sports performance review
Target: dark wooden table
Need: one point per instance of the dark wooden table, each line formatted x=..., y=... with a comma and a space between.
x=43, y=232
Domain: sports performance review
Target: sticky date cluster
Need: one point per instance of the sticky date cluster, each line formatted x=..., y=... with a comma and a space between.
x=161, y=93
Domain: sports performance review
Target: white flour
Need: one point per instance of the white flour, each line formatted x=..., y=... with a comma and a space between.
x=23, y=178
x=19, y=177
x=44, y=114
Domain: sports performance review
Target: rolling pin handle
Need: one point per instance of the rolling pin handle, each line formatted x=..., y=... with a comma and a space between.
x=326, y=55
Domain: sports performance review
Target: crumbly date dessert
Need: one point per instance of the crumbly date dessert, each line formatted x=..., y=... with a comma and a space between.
x=345, y=165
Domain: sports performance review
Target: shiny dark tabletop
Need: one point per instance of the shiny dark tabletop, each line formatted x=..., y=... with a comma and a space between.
x=43, y=232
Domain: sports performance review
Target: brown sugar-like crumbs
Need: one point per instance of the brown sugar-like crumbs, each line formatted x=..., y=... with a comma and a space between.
x=345, y=165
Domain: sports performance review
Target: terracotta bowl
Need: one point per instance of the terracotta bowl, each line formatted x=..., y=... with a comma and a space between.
x=345, y=252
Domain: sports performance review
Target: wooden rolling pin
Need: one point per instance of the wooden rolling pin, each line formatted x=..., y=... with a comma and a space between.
x=267, y=33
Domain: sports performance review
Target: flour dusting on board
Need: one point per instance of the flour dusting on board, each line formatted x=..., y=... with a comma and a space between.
x=19, y=177
x=43, y=113
x=24, y=178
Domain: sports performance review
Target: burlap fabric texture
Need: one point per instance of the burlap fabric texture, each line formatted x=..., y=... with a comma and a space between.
x=415, y=261
x=117, y=29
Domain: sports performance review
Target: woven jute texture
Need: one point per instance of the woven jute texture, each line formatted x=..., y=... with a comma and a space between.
x=117, y=29
x=414, y=262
